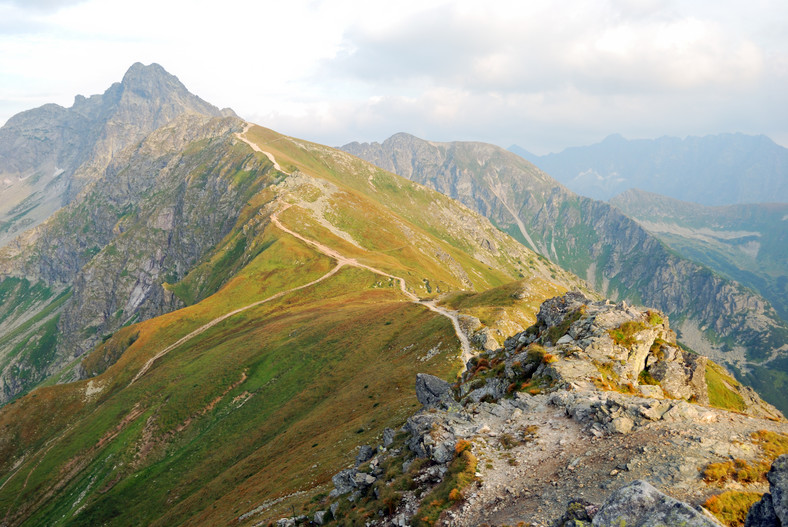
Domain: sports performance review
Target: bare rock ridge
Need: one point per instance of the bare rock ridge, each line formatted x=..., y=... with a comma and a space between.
x=595, y=405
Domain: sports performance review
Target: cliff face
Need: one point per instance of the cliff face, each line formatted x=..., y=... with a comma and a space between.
x=714, y=315
x=746, y=243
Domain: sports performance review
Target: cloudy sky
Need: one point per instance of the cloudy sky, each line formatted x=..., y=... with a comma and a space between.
x=542, y=74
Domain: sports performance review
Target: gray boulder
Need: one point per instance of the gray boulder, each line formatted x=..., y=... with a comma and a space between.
x=773, y=507
x=321, y=518
x=344, y=482
x=388, y=437
x=433, y=392
x=365, y=453
x=553, y=311
x=641, y=505
x=762, y=514
x=778, y=487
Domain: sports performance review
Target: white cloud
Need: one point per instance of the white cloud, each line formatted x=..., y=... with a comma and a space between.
x=544, y=74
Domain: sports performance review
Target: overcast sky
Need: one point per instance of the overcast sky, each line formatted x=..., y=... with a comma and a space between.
x=542, y=74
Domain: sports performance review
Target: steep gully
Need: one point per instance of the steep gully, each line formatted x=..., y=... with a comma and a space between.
x=331, y=253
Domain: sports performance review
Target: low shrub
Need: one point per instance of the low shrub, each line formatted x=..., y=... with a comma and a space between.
x=731, y=507
x=624, y=335
x=461, y=446
x=645, y=378
x=535, y=353
x=461, y=473
x=507, y=441
x=653, y=318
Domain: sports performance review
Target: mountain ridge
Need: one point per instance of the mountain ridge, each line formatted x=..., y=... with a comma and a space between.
x=597, y=242
x=331, y=357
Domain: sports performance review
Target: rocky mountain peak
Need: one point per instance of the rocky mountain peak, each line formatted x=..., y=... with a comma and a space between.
x=49, y=154
x=139, y=75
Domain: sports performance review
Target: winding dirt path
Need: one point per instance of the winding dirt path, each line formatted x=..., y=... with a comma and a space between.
x=212, y=323
x=331, y=253
x=242, y=137
x=342, y=260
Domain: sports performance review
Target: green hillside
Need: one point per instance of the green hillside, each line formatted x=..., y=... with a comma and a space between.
x=255, y=411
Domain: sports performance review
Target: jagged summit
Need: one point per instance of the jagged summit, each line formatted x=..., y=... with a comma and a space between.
x=49, y=154
x=155, y=84
x=140, y=72
x=595, y=404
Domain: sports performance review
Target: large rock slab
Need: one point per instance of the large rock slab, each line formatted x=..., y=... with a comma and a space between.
x=639, y=504
x=433, y=392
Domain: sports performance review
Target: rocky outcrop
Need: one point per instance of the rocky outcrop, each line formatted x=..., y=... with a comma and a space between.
x=568, y=393
x=433, y=392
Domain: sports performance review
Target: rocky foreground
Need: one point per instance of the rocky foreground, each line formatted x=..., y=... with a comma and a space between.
x=594, y=415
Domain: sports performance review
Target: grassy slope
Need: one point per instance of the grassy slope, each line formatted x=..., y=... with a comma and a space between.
x=28, y=317
x=271, y=401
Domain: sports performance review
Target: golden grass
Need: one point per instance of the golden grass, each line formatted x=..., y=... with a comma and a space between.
x=731, y=507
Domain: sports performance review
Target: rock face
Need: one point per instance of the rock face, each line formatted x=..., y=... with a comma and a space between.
x=595, y=241
x=772, y=510
x=580, y=344
x=432, y=391
x=641, y=505
x=47, y=155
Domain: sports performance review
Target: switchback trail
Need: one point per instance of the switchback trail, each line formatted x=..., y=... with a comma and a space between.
x=331, y=253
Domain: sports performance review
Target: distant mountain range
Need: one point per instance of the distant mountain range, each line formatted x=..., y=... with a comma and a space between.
x=720, y=169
